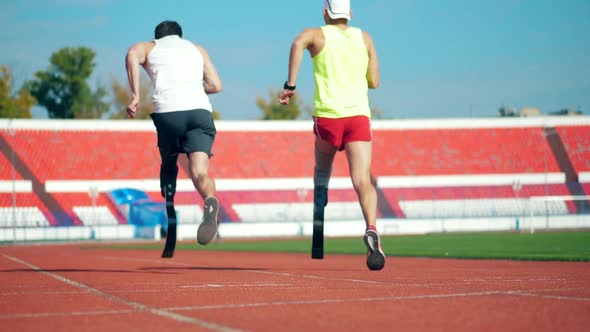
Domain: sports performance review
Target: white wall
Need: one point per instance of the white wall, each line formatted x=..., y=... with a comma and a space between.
x=300, y=229
x=302, y=125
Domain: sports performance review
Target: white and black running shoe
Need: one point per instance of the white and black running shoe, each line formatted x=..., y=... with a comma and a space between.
x=208, y=227
x=375, y=255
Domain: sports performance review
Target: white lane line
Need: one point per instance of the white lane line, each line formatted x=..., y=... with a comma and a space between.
x=237, y=285
x=368, y=299
x=230, y=285
x=265, y=304
x=133, y=291
x=546, y=296
x=146, y=260
x=66, y=314
x=569, y=289
x=300, y=302
x=135, y=305
x=306, y=276
x=474, y=281
x=333, y=301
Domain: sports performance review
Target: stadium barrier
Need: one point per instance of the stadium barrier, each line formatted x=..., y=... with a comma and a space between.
x=333, y=228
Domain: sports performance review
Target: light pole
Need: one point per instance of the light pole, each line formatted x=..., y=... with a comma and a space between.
x=302, y=194
x=516, y=185
x=12, y=134
x=547, y=132
x=93, y=193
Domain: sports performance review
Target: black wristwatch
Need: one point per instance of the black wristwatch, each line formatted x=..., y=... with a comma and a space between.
x=286, y=86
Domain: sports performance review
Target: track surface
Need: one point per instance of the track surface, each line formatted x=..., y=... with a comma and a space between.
x=75, y=288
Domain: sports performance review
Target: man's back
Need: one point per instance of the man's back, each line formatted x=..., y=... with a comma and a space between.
x=340, y=70
x=175, y=66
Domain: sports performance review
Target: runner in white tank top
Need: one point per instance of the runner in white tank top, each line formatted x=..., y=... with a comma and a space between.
x=183, y=76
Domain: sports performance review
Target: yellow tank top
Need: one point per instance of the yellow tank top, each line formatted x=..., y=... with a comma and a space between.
x=340, y=73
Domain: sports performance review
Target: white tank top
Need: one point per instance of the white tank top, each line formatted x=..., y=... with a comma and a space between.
x=175, y=66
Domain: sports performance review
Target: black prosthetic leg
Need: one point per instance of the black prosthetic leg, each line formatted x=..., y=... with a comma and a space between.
x=320, y=200
x=171, y=233
x=168, y=174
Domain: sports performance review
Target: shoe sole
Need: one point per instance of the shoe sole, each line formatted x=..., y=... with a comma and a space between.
x=375, y=258
x=208, y=227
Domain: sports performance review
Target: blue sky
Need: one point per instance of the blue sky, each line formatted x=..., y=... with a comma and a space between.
x=451, y=58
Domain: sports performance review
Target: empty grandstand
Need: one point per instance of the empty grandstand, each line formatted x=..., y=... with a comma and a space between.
x=99, y=173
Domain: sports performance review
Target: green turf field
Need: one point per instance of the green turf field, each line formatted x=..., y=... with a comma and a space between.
x=562, y=246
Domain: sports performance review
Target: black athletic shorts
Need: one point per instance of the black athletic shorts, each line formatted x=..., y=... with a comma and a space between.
x=185, y=131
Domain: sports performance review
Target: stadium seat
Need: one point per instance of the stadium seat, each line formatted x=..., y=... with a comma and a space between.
x=75, y=155
x=30, y=216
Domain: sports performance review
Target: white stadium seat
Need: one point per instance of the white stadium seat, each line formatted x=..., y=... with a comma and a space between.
x=29, y=216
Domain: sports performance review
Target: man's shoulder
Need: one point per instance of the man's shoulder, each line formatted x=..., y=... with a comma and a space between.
x=146, y=44
x=311, y=30
x=149, y=45
x=142, y=46
x=314, y=32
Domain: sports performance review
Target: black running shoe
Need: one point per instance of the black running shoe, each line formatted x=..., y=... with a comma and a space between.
x=375, y=255
x=208, y=227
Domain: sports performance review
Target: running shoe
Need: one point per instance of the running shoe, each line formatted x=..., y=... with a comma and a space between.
x=375, y=255
x=208, y=227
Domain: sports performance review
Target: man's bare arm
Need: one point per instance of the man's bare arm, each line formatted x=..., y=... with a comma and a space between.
x=299, y=45
x=211, y=81
x=302, y=42
x=373, y=69
x=136, y=56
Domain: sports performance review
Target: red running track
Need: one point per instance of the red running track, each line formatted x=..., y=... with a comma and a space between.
x=90, y=288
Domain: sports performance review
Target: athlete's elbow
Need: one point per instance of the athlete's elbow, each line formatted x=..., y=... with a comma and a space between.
x=372, y=80
x=218, y=86
x=373, y=84
x=298, y=45
x=212, y=88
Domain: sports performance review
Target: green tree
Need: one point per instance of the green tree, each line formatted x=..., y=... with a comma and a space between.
x=63, y=87
x=273, y=110
x=13, y=106
x=91, y=105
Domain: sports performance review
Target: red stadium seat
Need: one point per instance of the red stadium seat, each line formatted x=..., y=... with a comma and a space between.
x=84, y=155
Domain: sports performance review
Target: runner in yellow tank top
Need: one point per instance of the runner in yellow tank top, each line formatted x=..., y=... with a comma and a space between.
x=345, y=67
x=340, y=71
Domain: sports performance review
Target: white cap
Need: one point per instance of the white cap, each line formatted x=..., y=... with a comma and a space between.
x=338, y=8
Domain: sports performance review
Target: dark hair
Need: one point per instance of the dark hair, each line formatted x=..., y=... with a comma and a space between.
x=167, y=28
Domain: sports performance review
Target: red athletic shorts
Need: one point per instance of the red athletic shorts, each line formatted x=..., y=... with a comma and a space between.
x=342, y=131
